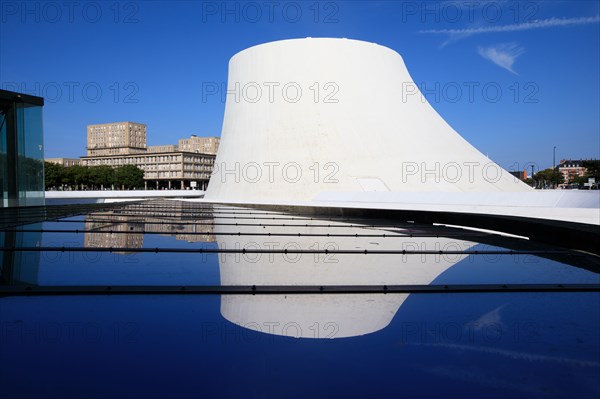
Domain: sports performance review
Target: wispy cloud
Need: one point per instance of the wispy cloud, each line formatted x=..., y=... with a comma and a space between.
x=503, y=55
x=513, y=354
x=492, y=318
x=455, y=34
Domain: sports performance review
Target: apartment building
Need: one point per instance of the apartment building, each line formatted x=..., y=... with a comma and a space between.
x=188, y=164
x=164, y=170
x=204, y=145
x=571, y=169
x=64, y=161
x=117, y=138
x=162, y=148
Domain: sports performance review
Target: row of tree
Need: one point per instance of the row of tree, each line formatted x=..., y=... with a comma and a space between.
x=59, y=177
x=547, y=177
x=552, y=177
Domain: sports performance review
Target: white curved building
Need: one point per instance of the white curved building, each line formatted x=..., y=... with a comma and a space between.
x=309, y=116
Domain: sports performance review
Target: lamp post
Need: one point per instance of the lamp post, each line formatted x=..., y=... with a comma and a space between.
x=554, y=177
x=532, y=180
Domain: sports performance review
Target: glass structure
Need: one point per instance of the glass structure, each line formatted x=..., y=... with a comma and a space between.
x=21, y=150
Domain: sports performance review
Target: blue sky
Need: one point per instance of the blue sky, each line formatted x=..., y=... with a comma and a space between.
x=513, y=78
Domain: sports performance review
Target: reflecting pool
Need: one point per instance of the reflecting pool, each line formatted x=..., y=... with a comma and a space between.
x=185, y=299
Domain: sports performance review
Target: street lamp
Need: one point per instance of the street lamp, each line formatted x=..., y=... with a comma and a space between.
x=532, y=180
x=554, y=177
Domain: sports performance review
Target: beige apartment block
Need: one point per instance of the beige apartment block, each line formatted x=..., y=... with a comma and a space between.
x=204, y=145
x=119, y=231
x=64, y=161
x=117, y=138
x=162, y=148
x=164, y=170
x=186, y=165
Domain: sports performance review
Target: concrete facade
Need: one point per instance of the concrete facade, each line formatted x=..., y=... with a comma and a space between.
x=204, y=145
x=337, y=115
x=66, y=162
x=571, y=169
x=171, y=166
x=170, y=170
x=117, y=138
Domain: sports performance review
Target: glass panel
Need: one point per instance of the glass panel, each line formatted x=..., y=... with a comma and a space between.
x=175, y=243
x=21, y=154
x=3, y=165
x=30, y=167
x=18, y=267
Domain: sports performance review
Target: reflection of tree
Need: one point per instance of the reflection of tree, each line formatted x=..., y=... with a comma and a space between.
x=30, y=172
x=19, y=267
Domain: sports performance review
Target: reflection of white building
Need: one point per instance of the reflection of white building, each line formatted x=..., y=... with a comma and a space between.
x=318, y=115
x=332, y=315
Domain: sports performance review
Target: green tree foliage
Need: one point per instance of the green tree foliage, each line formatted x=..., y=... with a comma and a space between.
x=592, y=169
x=53, y=174
x=579, y=180
x=548, y=177
x=79, y=176
x=129, y=177
x=92, y=177
x=102, y=176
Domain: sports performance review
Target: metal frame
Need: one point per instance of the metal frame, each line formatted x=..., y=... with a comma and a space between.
x=6, y=291
x=508, y=246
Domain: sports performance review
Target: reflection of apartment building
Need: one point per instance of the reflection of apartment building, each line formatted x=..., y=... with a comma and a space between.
x=64, y=161
x=190, y=232
x=180, y=219
x=170, y=218
x=571, y=169
x=117, y=233
x=186, y=165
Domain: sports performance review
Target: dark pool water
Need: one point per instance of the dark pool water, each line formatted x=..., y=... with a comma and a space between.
x=370, y=344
